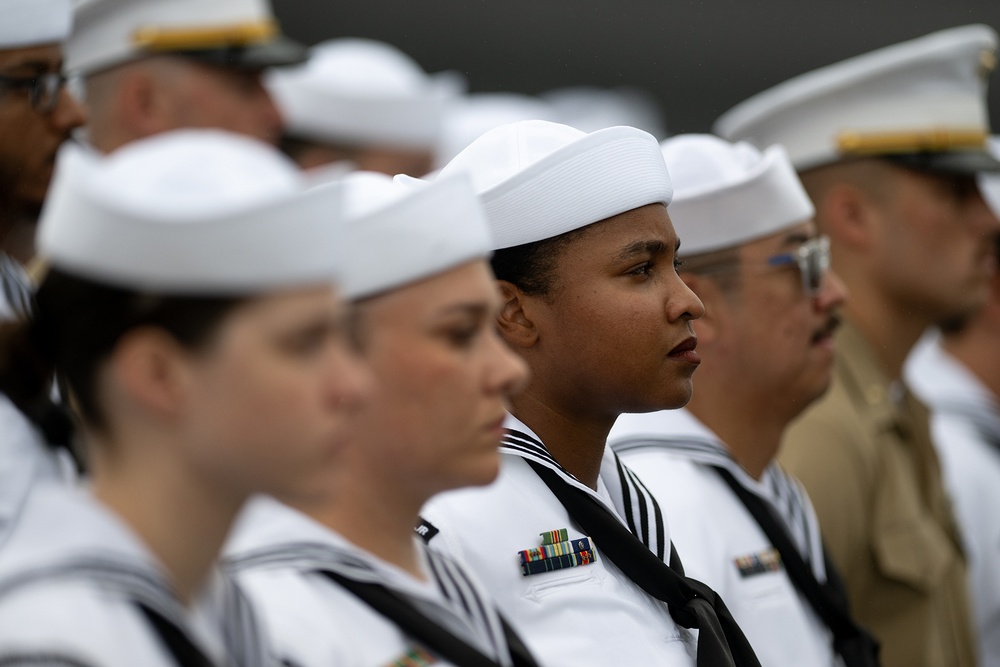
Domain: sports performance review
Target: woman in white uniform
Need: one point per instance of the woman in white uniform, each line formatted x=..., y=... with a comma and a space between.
x=567, y=539
x=191, y=310
x=346, y=581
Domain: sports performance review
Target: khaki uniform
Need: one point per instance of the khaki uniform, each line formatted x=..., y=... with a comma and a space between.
x=864, y=454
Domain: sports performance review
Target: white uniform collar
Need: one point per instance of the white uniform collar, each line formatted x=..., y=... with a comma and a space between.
x=630, y=500
x=684, y=435
x=271, y=534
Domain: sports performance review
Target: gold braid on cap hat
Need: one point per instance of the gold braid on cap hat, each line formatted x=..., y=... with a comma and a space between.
x=157, y=38
x=851, y=142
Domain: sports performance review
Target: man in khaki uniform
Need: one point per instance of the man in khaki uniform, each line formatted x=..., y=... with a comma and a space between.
x=887, y=145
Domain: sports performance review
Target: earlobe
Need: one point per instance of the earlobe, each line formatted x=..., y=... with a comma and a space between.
x=514, y=322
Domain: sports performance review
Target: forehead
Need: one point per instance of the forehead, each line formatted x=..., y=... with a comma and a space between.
x=611, y=237
x=787, y=239
x=469, y=284
x=31, y=59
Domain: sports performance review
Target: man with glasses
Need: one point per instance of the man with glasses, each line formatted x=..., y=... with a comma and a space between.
x=157, y=65
x=36, y=116
x=750, y=251
x=888, y=145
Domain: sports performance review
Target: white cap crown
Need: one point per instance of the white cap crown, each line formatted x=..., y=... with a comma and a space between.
x=729, y=194
x=190, y=212
x=396, y=234
x=34, y=22
x=360, y=91
x=538, y=179
x=924, y=95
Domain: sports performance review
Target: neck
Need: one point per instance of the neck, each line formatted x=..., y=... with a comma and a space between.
x=18, y=239
x=373, y=515
x=750, y=431
x=576, y=441
x=182, y=518
x=892, y=331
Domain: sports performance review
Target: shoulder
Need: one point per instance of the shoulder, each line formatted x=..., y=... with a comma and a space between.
x=75, y=620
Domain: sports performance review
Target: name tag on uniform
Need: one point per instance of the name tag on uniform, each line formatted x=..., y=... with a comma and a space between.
x=768, y=560
x=556, y=552
x=415, y=657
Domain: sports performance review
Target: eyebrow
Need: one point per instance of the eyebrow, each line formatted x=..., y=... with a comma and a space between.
x=475, y=309
x=643, y=248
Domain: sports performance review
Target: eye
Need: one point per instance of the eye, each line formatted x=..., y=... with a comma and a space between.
x=678, y=264
x=645, y=269
x=462, y=336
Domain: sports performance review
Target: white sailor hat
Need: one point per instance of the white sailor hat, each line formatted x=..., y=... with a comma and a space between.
x=729, y=194
x=921, y=102
x=34, y=22
x=414, y=232
x=233, y=33
x=360, y=91
x=190, y=212
x=538, y=180
x=471, y=116
x=989, y=183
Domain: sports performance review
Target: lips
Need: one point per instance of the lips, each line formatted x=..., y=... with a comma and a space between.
x=827, y=330
x=686, y=351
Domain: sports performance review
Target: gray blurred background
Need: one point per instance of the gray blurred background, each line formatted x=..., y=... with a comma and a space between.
x=697, y=58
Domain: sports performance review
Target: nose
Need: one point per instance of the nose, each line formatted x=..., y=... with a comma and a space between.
x=832, y=292
x=682, y=302
x=350, y=381
x=507, y=373
x=983, y=218
x=68, y=113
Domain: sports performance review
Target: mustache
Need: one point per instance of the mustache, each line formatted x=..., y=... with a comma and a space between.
x=828, y=329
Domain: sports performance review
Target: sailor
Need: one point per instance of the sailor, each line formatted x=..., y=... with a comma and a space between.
x=887, y=145
x=365, y=102
x=567, y=539
x=347, y=581
x=155, y=65
x=214, y=363
x=752, y=255
x=37, y=114
x=955, y=370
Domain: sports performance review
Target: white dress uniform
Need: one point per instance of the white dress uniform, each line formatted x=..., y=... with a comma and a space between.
x=588, y=614
x=719, y=540
x=965, y=425
x=277, y=555
x=25, y=460
x=70, y=579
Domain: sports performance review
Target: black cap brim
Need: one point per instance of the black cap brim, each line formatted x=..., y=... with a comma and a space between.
x=963, y=162
x=278, y=52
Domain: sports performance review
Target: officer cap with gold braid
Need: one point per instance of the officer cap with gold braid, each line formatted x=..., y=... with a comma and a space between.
x=921, y=103
x=232, y=33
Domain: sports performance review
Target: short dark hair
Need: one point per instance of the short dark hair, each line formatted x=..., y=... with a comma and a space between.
x=75, y=326
x=531, y=266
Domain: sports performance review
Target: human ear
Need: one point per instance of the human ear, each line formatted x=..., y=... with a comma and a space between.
x=144, y=104
x=149, y=367
x=514, y=321
x=847, y=214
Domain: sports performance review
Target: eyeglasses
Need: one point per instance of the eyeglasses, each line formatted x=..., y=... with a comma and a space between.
x=813, y=260
x=43, y=90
